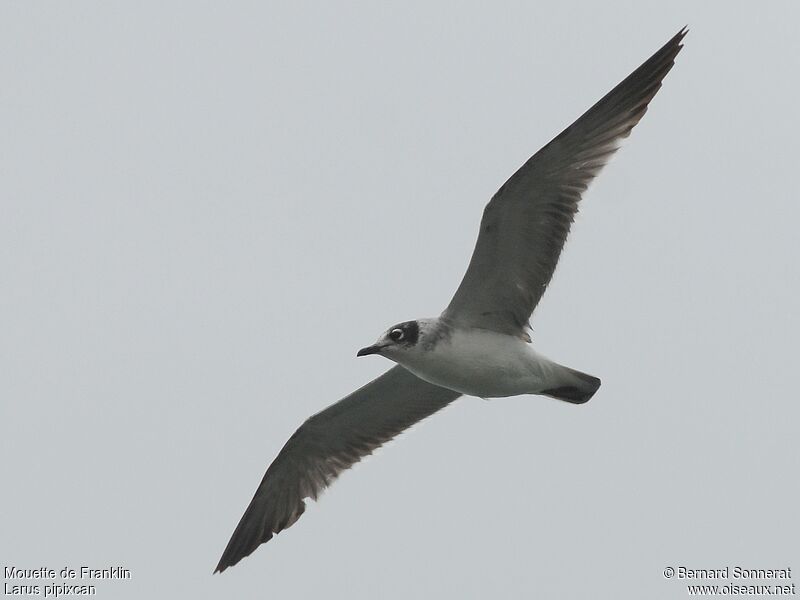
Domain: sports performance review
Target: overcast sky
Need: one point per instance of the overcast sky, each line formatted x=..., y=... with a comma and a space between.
x=207, y=208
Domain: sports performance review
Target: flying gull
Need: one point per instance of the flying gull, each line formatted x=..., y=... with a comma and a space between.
x=480, y=345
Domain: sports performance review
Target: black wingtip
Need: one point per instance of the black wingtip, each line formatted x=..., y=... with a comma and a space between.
x=231, y=556
x=678, y=37
x=235, y=552
x=221, y=566
x=676, y=41
x=228, y=561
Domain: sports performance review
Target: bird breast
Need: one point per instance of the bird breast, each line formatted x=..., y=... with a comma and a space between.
x=478, y=362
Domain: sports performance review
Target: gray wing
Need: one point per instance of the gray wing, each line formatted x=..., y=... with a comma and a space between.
x=525, y=224
x=327, y=444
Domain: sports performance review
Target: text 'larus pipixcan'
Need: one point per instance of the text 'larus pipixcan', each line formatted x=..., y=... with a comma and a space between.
x=480, y=345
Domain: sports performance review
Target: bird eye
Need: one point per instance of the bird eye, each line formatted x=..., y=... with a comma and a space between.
x=396, y=334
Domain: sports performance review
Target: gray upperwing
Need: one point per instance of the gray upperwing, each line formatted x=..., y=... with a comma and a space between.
x=327, y=444
x=525, y=224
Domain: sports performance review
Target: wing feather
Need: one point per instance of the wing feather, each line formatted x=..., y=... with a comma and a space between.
x=526, y=223
x=325, y=445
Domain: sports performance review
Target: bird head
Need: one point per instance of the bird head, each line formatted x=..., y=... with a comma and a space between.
x=396, y=340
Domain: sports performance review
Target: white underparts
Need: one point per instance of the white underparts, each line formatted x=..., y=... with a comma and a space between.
x=482, y=363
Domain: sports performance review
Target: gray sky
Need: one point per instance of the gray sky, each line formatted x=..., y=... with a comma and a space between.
x=207, y=209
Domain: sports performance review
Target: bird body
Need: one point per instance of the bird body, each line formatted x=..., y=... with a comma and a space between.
x=481, y=344
x=483, y=363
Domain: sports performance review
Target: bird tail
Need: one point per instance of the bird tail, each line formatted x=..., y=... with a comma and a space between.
x=571, y=386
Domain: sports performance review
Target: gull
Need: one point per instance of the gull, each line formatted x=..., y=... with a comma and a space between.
x=481, y=344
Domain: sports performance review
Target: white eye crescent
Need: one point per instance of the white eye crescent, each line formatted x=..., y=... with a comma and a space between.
x=396, y=335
